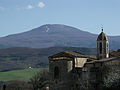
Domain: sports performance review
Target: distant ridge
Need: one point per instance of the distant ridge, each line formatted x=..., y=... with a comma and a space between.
x=19, y=58
x=51, y=35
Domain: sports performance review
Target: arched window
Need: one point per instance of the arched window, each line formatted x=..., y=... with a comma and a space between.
x=56, y=72
x=100, y=48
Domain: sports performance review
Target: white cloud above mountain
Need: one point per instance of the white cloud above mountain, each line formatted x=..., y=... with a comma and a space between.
x=41, y=4
x=29, y=7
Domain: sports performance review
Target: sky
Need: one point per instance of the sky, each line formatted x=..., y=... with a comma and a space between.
x=18, y=16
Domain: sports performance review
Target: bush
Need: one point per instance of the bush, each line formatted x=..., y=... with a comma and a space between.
x=111, y=78
x=118, y=50
x=40, y=80
x=18, y=85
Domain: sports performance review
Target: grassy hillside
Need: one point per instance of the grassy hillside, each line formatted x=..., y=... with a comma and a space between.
x=20, y=58
x=24, y=74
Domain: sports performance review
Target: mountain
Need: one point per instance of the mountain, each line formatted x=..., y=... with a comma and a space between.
x=19, y=58
x=51, y=35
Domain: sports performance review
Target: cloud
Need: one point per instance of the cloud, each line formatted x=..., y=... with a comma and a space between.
x=29, y=7
x=41, y=4
x=2, y=9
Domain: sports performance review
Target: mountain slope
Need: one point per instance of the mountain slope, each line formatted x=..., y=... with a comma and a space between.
x=18, y=58
x=51, y=35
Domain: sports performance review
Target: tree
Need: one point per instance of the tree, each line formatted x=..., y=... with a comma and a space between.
x=111, y=77
x=18, y=85
x=40, y=80
x=118, y=50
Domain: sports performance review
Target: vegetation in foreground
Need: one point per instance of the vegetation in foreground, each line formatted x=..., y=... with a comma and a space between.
x=38, y=81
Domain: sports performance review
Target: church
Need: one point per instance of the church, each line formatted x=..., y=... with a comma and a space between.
x=70, y=70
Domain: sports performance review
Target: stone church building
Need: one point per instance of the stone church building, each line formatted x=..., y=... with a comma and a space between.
x=71, y=70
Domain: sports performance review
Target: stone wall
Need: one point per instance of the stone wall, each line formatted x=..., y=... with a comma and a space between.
x=62, y=82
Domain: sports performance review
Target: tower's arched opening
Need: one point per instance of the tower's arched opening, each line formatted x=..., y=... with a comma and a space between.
x=100, y=48
x=56, y=72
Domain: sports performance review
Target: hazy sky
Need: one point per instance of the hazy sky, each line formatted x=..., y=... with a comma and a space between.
x=22, y=15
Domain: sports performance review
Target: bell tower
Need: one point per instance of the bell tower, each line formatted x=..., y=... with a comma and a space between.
x=102, y=46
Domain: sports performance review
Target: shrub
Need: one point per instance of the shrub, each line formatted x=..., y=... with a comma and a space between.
x=40, y=80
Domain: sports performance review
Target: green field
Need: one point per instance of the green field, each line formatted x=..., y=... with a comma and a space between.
x=24, y=74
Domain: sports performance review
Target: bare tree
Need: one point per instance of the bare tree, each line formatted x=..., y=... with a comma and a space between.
x=40, y=80
x=111, y=77
x=18, y=85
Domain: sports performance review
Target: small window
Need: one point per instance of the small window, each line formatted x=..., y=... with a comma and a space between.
x=100, y=48
x=56, y=72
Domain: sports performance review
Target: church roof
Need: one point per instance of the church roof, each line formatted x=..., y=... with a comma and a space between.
x=114, y=53
x=71, y=54
x=98, y=63
x=102, y=60
x=102, y=36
